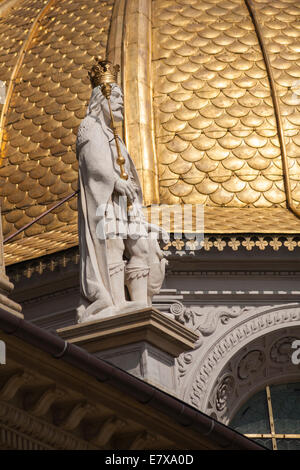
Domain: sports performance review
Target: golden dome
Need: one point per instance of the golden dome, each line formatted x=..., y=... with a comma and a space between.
x=217, y=136
x=200, y=118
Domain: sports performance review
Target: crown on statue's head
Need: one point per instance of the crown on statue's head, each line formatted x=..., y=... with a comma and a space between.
x=103, y=72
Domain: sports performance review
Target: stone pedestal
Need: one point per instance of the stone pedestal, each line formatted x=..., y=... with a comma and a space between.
x=144, y=342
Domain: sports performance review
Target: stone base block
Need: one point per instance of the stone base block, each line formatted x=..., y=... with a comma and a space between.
x=146, y=362
x=144, y=342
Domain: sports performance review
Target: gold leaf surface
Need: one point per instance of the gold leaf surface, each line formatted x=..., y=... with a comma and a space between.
x=221, y=65
x=48, y=102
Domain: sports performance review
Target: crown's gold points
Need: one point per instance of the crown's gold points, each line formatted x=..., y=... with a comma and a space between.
x=103, y=72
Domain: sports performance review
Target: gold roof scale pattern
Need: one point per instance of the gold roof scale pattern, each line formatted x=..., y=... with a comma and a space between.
x=39, y=163
x=216, y=130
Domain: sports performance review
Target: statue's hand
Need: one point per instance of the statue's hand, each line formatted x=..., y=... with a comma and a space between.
x=125, y=188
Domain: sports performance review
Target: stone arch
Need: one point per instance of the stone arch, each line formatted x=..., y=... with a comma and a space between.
x=215, y=386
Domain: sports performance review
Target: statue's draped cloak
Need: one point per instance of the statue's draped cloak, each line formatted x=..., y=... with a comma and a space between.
x=98, y=169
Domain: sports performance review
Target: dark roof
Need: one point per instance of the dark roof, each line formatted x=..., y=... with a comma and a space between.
x=144, y=393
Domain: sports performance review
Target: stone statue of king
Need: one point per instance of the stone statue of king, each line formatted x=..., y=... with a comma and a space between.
x=118, y=247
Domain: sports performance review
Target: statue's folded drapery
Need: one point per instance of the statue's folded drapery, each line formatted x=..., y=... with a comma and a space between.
x=98, y=172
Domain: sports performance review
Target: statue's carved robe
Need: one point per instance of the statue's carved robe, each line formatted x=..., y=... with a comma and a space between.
x=98, y=168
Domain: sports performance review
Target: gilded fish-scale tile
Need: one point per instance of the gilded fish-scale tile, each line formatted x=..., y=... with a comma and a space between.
x=231, y=74
x=17, y=177
x=237, y=111
x=68, y=177
x=222, y=101
x=234, y=185
x=220, y=174
x=210, y=112
x=207, y=186
x=214, y=131
x=273, y=173
x=193, y=176
x=15, y=216
x=204, y=143
x=6, y=171
x=206, y=165
x=261, y=184
x=275, y=196
x=59, y=188
x=172, y=125
x=217, y=152
x=262, y=202
x=227, y=122
x=221, y=196
x=229, y=141
x=176, y=144
x=248, y=195
x=246, y=173
x=232, y=163
x=7, y=189
x=195, y=198
x=257, y=162
x=167, y=156
x=180, y=166
x=296, y=193
x=181, y=189
x=166, y=176
x=16, y=198
x=191, y=154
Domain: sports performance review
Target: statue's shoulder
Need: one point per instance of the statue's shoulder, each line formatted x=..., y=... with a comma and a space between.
x=85, y=129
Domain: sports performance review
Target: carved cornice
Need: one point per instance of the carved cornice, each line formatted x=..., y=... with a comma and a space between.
x=43, y=405
x=35, y=432
x=49, y=263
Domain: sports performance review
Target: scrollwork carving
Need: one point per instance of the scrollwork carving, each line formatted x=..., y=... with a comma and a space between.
x=224, y=392
x=281, y=351
x=250, y=364
x=203, y=320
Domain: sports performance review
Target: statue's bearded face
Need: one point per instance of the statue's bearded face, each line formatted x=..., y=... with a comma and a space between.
x=117, y=105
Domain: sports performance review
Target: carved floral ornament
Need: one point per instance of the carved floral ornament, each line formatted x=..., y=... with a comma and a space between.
x=238, y=347
x=205, y=320
x=249, y=243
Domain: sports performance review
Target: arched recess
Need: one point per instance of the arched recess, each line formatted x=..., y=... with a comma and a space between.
x=252, y=351
x=263, y=362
